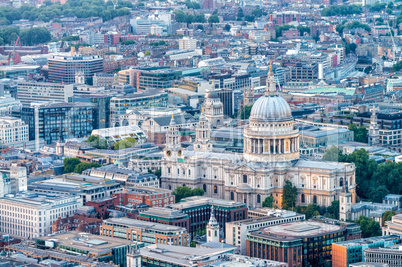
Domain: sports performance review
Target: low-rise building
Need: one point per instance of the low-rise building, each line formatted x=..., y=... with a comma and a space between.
x=236, y=232
x=393, y=227
x=13, y=132
x=391, y=256
x=165, y=216
x=347, y=252
x=78, y=223
x=146, y=232
x=153, y=197
x=372, y=210
x=30, y=92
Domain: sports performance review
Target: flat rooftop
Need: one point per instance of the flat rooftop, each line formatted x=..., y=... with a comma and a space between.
x=94, y=244
x=143, y=225
x=196, y=201
x=164, y=213
x=301, y=229
x=364, y=241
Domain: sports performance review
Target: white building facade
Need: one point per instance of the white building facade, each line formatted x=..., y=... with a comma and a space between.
x=13, y=132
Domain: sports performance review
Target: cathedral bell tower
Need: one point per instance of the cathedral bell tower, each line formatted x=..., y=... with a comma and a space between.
x=345, y=202
x=173, y=146
x=202, y=135
x=212, y=228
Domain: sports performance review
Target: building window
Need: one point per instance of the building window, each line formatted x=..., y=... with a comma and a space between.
x=341, y=182
x=303, y=198
x=215, y=189
x=170, y=187
x=204, y=187
x=258, y=199
x=231, y=195
x=245, y=179
x=315, y=199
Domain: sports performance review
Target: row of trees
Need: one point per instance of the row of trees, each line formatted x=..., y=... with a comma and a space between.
x=101, y=143
x=180, y=16
x=360, y=134
x=75, y=165
x=79, y=8
x=341, y=10
x=33, y=36
x=352, y=25
x=373, y=180
x=300, y=28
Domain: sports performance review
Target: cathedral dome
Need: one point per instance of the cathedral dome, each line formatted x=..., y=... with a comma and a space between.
x=212, y=94
x=271, y=108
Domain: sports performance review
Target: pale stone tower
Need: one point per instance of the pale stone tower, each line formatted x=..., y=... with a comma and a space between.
x=202, y=135
x=213, y=109
x=345, y=203
x=79, y=77
x=173, y=146
x=248, y=98
x=212, y=228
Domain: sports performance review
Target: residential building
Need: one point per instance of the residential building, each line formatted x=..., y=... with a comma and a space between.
x=62, y=69
x=31, y=215
x=392, y=256
x=165, y=216
x=236, y=232
x=54, y=121
x=78, y=223
x=295, y=243
x=199, y=211
x=348, y=252
x=31, y=92
x=85, y=246
x=187, y=43
x=285, y=17
x=146, y=232
x=13, y=132
x=153, y=197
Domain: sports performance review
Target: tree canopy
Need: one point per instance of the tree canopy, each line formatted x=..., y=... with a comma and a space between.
x=244, y=112
x=79, y=168
x=180, y=16
x=387, y=216
x=78, y=8
x=360, y=134
x=369, y=227
x=268, y=202
x=185, y=191
x=33, y=36
x=289, y=195
x=125, y=143
x=69, y=164
x=341, y=10
x=397, y=66
x=97, y=142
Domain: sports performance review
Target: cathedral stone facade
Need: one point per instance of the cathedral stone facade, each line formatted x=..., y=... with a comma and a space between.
x=270, y=157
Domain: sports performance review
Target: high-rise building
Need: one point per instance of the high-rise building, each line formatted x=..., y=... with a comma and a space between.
x=29, y=92
x=62, y=69
x=55, y=121
x=101, y=116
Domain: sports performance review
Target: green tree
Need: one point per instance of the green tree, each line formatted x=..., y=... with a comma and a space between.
x=147, y=53
x=125, y=143
x=268, y=202
x=245, y=112
x=227, y=27
x=84, y=166
x=185, y=191
x=369, y=227
x=333, y=154
x=257, y=12
x=240, y=14
x=127, y=42
x=334, y=209
x=338, y=10
x=360, y=134
x=289, y=195
x=378, y=193
x=249, y=18
x=387, y=216
x=97, y=142
x=69, y=164
x=311, y=210
x=213, y=19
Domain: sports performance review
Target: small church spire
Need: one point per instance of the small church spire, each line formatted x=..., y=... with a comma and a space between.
x=270, y=83
x=213, y=228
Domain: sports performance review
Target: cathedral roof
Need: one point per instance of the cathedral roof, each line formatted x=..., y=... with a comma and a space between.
x=212, y=94
x=271, y=108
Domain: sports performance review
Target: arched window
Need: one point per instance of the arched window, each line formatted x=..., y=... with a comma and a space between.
x=189, y=172
x=258, y=199
x=315, y=199
x=303, y=199
x=184, y=184
x=215, y=189
x=341, y=182
x=170, y=187
x=231, y=195
x=245, y=179
x=204, y=187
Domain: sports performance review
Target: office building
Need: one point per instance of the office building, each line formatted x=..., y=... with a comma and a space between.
x=31, y=215
x=101, y=116
x=54, y=121
x=30, y=92
x=149, y=98
x=62, y=69
x=236, y=232
x=13, y=180
x=77, y=222
x=199, y=211
x=393, y=227
x=345, y=253
x=104, y=80
x=153, y=197
x=369, y=209
x=13, y=132
x=392, y=256
x=86, y=246
x=164, y=255
x=296, y=243
x=146, y=232
x=8, y=104
x=165, y=216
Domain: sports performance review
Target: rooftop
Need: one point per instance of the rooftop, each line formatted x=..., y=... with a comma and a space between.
x=158, y=227
x=364, y=241
x=196, y=201
x=163, y=212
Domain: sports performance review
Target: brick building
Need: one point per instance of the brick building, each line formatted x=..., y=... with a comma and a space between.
x=77, y=222
x=153, y=197
x=102, y=205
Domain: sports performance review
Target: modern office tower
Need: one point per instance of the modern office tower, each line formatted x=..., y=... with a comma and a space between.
x=30, y=92
x=55, y=121
x=62, y=69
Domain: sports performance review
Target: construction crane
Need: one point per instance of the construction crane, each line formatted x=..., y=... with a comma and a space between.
x=14, y=57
